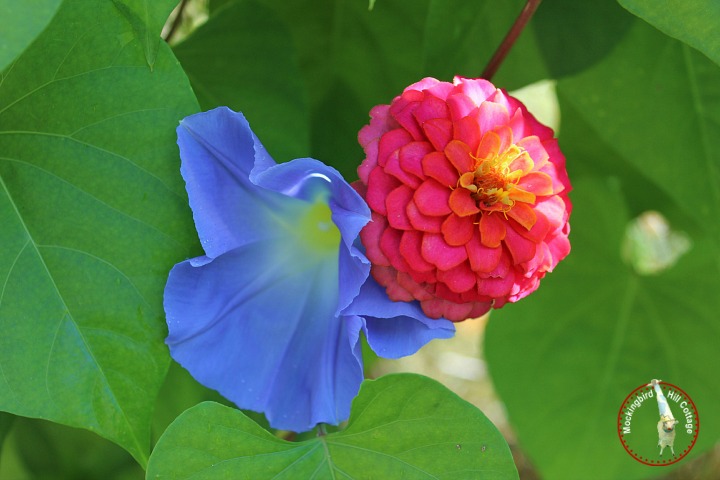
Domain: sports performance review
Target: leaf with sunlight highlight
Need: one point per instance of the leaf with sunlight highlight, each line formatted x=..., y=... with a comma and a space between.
x=93, y=216
x=402, y=426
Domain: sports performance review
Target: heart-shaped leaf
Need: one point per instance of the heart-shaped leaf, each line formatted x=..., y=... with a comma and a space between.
x=656, y=102
x=401, y=426
x=564, y=359
x=694, y=22
x=243, y=58
x=93, y=215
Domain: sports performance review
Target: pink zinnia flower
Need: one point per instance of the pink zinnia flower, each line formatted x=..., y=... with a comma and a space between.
x=468, y=193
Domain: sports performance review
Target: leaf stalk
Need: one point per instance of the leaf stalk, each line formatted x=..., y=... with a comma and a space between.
x=525, y=15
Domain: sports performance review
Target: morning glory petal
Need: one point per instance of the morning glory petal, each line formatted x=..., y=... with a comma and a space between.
x=218, y=151
x=307, y=178
x=258, y=325
x=395, y=329
x=271, y=315
x=303, y=178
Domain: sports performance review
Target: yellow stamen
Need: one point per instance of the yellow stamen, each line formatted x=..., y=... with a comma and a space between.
x=493, y=184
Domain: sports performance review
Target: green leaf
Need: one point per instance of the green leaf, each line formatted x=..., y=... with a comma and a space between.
x=93, y=215
x=179, y=392
x=20, y=24
x=574, y=35
x=147, y=18
x=352, y=58
x=243, y=58
x=564, y=359
x=693, y=22
x=51, y=451
x=6, y=423
x=401, y=426
x=476, y=31
x=657, y=103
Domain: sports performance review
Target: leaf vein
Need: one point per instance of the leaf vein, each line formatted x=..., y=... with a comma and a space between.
x=375, y=452
x=85, y=192
x=113, y=397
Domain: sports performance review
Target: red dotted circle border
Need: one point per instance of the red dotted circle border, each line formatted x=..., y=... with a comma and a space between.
x=664, y=462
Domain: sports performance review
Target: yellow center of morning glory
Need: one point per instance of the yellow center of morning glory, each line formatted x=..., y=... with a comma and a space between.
x=316, y=229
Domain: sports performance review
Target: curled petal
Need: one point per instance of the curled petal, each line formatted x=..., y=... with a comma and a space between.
x=436, y=165
x=395, y=329
x=436, y=251
x=379, y=185
x=491, y=115
x=411, y=250
x=535, y=149
x=523, y=214
x=403, y=112
x=462, y=203
x=467, y=131
x=482, y=259
x=396, y=203
x=310, y=180
x=521, y=249
x=431, y=108
x=538, y=183
x=439, y=131
x=411, y=156
x=432, y=198
x=490, y=145
x=477, y=89
x=492, y=230
x=389, y=244
x=457, y=230
x=459, y=155
x=392, y=142
x=459, y=279
x=422, y=222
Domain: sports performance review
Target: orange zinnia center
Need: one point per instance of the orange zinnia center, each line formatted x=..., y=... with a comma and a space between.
x=493, y=183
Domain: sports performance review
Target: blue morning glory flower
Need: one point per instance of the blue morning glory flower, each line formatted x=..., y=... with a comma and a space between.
x=271, y=315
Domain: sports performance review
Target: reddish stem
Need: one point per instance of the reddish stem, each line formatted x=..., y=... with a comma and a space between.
x=510, y=38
